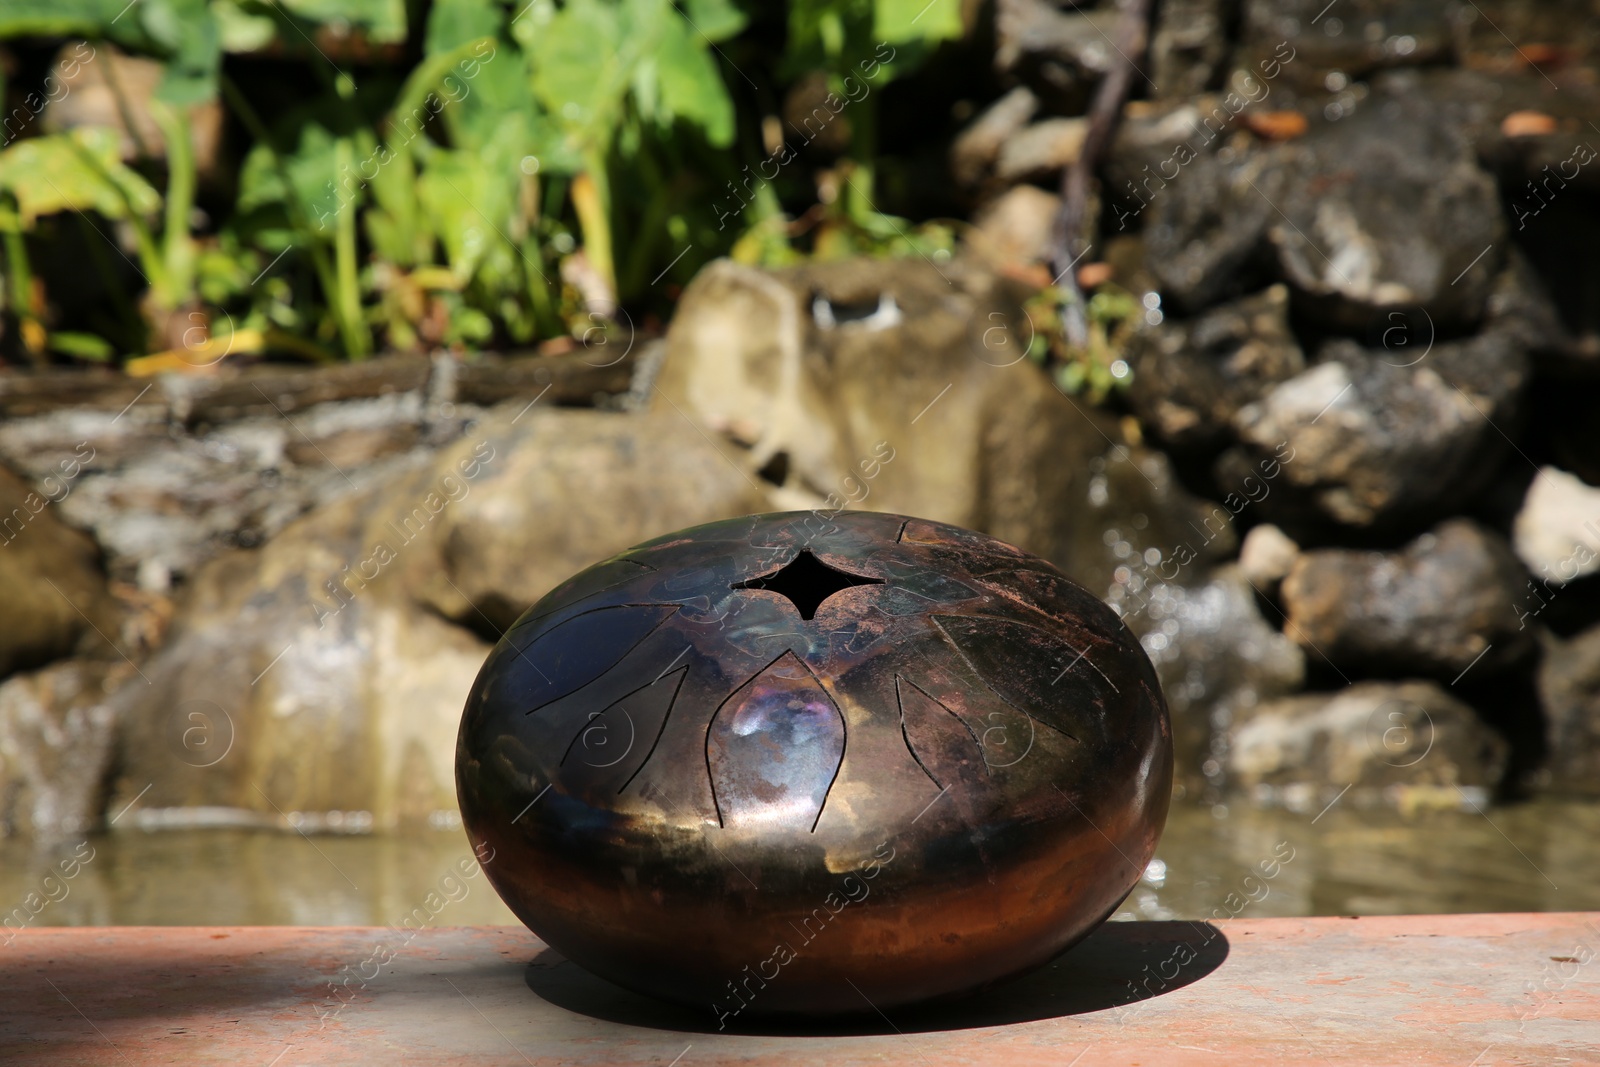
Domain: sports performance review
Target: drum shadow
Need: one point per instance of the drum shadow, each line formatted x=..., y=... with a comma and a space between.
x=1119, y=964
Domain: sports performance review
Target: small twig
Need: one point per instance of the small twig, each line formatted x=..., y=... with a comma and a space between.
x=1104, y=111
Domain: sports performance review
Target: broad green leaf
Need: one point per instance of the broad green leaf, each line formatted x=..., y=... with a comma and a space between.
x=468, y=203
x=715, y=20
x=242, y=31
x=691, y=87
x=58, y=18
x=580, y=71
x=453, y=23
x=74, y=171
x=395, y=224
x=319, y=189
x=384, y=20
x=185, y=33
x=905, y=21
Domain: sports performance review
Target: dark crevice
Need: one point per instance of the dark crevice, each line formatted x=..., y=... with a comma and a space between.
x=807, y=581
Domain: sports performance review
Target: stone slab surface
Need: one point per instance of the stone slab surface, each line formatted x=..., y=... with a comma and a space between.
x=1465, y=990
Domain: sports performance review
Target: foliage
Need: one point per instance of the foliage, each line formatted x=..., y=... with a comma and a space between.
x=1097, y=370
x=464, y=173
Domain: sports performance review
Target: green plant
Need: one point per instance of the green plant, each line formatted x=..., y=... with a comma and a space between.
x=79, y=171
x=532, y=170
x=1093, y=370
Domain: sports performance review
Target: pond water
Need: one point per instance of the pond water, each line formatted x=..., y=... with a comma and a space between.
x=1540, y=856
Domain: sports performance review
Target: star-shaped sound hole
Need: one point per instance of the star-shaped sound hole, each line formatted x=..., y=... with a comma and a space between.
x=807, y=581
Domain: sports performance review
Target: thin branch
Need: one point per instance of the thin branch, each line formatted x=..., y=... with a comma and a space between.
x=1067, y=239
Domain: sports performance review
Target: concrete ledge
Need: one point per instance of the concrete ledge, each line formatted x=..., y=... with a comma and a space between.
x=1437, y=989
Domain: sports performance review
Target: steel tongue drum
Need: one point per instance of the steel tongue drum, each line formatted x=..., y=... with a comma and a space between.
x=785, y=764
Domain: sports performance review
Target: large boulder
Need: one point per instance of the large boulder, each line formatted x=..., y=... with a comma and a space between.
x=1389, y=209
x=1395, y=435
x=334, y=661
x=1443, y=604
x=1409, y=744
x=1383, y=207
x=55, y=592
x=898, y=386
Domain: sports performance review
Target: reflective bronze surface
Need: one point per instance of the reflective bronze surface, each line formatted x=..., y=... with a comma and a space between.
x=780, y=764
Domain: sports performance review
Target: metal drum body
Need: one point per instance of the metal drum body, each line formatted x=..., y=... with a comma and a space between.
x=783, y=764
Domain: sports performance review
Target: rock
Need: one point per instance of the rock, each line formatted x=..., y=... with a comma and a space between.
x=189, y=465
x=1382, y=208
x=161, y=503
x=1408, y=744
x=975, y=149
x=1569, y=693
x=1388, y=208
x=55, y=591
x=1443, y=604
x=1351, y=41
x=1041, y=150
x=1189, y=45
x=57, y=727
x=1190, y=377
x=1266, y=557
x=335, y=660
x=1546, y=182
x=1203, y=197
x=1014, y=229
x=613, y=481
x=1058, y=54
x=1385, y=437
x=1557, y=532
x=1217, y=658
x=833, y=382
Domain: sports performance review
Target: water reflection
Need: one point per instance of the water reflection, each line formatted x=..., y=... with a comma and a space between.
x=1542, y=856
